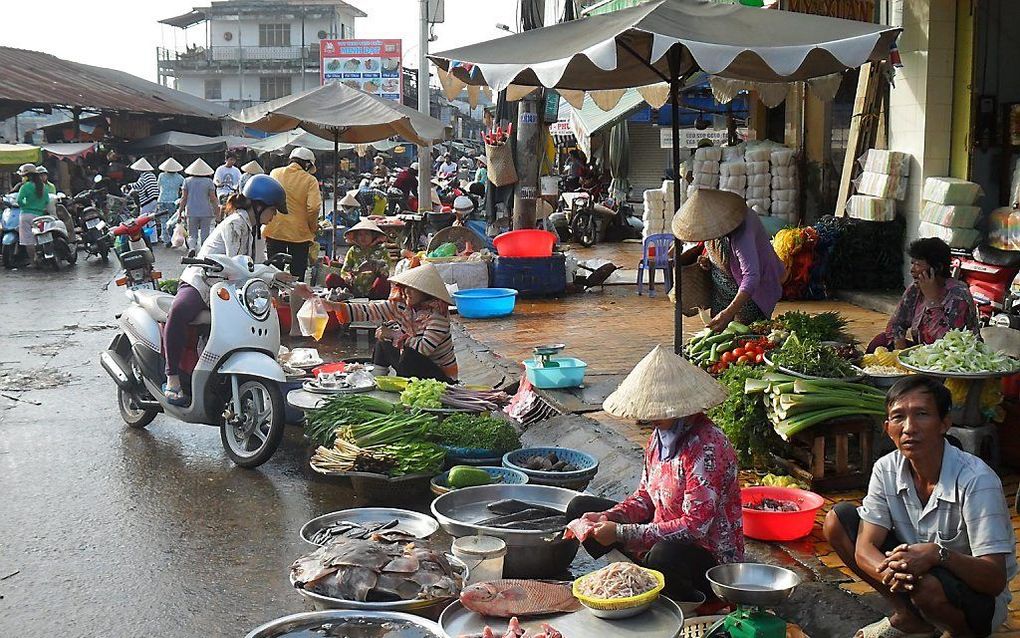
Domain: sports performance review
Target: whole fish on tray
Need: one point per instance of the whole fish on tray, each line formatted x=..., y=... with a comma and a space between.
x=519, y=515
x=514, y=630
x=507, y=598
x=349, y=529
x=376, y=570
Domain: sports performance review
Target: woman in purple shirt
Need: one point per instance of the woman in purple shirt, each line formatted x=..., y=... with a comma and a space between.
x=747, y=275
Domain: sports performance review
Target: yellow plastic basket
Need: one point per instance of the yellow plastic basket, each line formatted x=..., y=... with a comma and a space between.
x=618, y=604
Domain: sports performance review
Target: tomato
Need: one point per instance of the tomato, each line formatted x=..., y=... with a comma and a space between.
x=743, y=359
x=727, y=357
x=739, y=352
x=759, y=358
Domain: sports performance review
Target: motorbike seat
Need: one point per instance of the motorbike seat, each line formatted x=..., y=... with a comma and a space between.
x=157, y=305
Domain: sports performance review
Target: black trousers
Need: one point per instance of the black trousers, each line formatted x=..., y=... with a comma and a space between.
x=409, y=363
x=297, y=250
x=682, y=563
x=977, y=608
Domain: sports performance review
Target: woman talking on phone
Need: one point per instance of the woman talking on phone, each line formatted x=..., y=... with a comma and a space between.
x=934, y=304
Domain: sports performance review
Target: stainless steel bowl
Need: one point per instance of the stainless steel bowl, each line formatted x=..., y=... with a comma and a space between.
x=752, y=584
x=414, y=523
x=529, y=554
x=418, y=607
x=275, y=628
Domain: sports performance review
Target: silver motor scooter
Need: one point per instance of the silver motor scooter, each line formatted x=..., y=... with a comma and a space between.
x=235, y=383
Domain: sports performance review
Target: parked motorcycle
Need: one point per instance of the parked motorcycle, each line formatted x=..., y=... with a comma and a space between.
x=134, y=251
x=230, y=371
x=14, y=254
x=52, y=242
x=95, y=234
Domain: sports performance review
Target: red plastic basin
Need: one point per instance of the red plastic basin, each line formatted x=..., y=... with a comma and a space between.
x=525, y=243
x=779, y=526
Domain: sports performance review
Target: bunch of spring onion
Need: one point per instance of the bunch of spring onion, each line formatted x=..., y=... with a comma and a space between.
x=794, y=405
x=340, y=411
x=398, y=427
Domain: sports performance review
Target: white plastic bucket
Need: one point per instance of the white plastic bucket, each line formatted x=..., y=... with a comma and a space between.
x=483, y=555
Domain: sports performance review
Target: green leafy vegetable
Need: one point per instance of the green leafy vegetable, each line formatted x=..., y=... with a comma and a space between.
x=958, y=351
x=415, y=458
x=812, y=358
x=423, y=393
x=481, y=432
x=742, y=417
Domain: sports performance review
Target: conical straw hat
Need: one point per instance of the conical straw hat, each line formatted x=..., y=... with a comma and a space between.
x=350, y=199
x=424, y=278
x=142, y=165
x=709, y=214
x=664, y=386
x=171, y=166
x=365, y=224
x=199, y=168
x=253, y=168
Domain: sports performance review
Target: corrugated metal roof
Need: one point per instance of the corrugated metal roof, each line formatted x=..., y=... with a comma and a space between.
x=231, y=7
x=34, y=79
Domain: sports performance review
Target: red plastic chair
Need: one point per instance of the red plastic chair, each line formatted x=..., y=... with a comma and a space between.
x=655, y=256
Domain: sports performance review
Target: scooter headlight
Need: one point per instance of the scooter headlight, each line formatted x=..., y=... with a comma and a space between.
x=257, y=299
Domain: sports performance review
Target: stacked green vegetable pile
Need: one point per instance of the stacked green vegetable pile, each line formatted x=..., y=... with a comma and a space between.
x=825, y=326
x=812, y=358
x=364, y=434
x=478, y=432
x=431, y=394
x=958, y=352
x=742, y=417
x=794, y=405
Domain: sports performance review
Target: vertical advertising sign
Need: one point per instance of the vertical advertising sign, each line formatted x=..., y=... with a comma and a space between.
x=370, y=65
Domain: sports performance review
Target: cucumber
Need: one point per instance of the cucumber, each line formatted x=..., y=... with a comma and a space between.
x=467, y=476
x=738, y=328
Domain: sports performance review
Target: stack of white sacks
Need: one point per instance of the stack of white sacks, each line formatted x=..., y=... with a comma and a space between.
x=949, y=211
x=706, y=168
x=880, y=186
x=759, y=177
x=733, y=177
x=658, y=213
x=784, y=184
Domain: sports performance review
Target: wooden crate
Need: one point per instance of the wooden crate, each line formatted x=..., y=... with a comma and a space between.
x=834, y=456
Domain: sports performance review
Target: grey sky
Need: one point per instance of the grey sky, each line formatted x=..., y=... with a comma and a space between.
x=124, y=34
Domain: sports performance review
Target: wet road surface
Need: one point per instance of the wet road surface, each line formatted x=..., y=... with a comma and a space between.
x=108, y=531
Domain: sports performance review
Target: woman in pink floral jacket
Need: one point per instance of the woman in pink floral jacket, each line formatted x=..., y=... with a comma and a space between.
x=685, y=516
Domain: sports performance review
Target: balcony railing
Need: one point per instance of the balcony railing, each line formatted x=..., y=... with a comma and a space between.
x=199, y=58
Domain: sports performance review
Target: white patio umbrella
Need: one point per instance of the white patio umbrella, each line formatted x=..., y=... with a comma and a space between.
x=667, y=41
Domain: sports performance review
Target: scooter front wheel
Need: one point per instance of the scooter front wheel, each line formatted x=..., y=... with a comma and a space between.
x=133, y=415
x=251, y=437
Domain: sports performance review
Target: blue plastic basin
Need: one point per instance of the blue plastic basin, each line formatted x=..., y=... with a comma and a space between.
x=485, y=303
x=568, y=373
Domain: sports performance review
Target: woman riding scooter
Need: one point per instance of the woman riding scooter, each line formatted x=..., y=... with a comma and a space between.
x=255, y=206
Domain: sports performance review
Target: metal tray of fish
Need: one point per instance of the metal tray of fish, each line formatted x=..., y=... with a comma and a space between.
x=314, y=387
x=413, y=523
x=662, y=620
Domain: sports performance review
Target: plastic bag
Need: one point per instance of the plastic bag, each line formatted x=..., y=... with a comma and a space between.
x=180, y=235
x=312, y=318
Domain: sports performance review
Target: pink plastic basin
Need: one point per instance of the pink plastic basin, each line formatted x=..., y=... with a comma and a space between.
x=779, y=526
x=525, y=243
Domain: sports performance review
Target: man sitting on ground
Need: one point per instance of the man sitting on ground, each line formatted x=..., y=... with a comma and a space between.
x=933, y=535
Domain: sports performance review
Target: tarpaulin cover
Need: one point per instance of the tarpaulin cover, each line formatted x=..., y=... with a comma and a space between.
x=338, y=111
x=71, y=151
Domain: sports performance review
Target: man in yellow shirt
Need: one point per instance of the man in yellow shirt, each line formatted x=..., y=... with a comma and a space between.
x=294, y=236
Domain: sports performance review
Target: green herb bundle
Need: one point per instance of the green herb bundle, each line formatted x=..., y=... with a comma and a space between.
x=482, y=432
x=742, y=417
x=812, y=358
x=342, y=411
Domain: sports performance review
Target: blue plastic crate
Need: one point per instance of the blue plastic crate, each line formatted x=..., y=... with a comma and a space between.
x=531, y=276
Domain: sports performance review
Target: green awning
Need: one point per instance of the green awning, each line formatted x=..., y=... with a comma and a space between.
x=16, y=154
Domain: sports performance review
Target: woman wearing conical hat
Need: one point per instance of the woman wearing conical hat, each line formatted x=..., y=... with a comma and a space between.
x=747, y=275
x=414, y=335
x=170, y=183
x=685, y=516
x=366, y=267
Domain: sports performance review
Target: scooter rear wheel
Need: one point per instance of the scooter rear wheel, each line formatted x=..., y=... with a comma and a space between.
x=10, y=255
x=134, y=416
x=253, y=439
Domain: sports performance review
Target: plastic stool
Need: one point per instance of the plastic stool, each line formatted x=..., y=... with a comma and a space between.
x=982, y=441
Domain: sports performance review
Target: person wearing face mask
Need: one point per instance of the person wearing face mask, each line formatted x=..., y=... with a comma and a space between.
x=260, y=201
x=414, y=336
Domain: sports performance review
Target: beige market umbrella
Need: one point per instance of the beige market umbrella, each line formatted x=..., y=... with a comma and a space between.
x=343, y=114
x=656, y=47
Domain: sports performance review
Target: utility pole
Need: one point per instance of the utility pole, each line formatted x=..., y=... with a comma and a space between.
x=424, y=152
x=529, y=133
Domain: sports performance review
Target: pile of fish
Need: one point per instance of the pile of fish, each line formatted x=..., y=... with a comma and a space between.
x=349, y=529
x=376, y=570
x=514, y=630
x=773, y=505
x=513, y=514
x=548, y=463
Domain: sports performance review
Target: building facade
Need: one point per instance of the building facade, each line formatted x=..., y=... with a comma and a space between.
x=252, y=50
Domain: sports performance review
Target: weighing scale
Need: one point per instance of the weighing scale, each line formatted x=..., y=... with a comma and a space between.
x=544, y=354
x=753, y=588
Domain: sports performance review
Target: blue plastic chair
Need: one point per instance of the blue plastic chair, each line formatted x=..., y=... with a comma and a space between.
x=655, y=259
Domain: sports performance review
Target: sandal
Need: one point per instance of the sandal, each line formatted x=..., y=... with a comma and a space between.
x=884, y=629
x=176, y=397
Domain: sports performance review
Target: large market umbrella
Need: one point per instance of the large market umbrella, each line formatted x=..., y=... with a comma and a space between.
x=667, y=41
x=343, y=114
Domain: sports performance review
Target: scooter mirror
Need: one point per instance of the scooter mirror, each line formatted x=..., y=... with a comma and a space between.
x=97, y=179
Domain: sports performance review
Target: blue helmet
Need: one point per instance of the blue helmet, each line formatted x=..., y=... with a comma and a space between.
x=265, y=189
